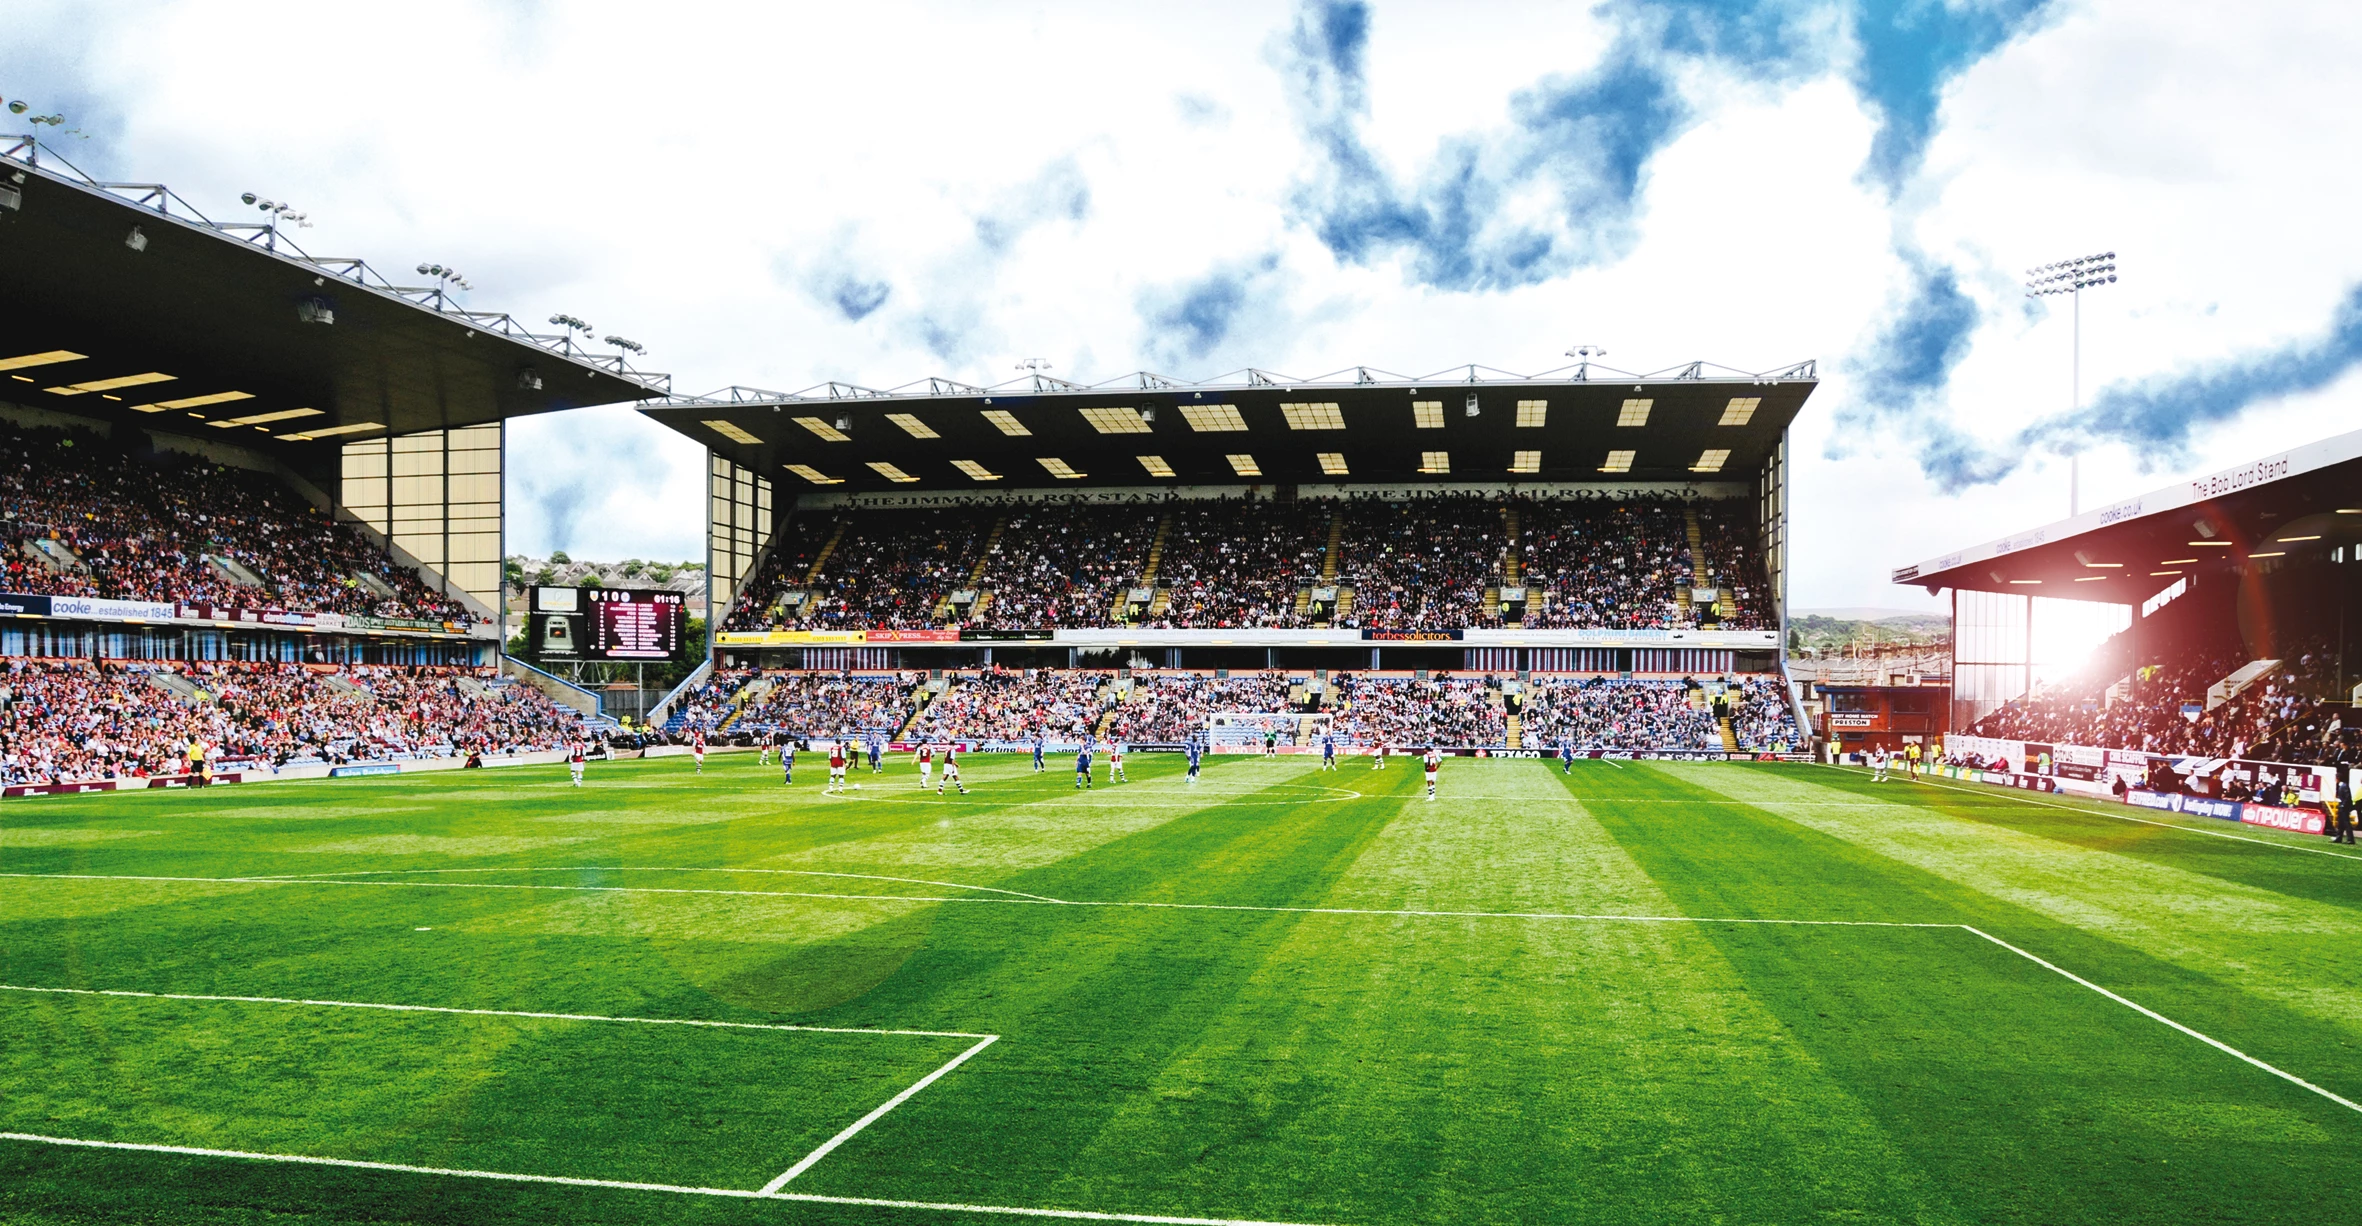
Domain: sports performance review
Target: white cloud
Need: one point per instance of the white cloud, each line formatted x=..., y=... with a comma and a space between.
x=704, y=179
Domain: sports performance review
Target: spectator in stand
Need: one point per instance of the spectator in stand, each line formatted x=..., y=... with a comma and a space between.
x=1013, y=707
x=1241, y=563
x=1064, y=565
x=1403, y=712
x=1618, y=715
x=79, y=516
x=74, y=721
x=841, y=704
x=1421, y=564
x=1167, y=708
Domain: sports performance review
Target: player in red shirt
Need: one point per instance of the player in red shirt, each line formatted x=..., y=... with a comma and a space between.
x=697, y=749
x=836, y=769
x=951, y=770
x=926, y=765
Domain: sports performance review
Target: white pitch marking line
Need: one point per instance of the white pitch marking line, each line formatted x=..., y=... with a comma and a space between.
x=829, y=1146
x=558, y=1017
x=2120, y=817
x=628, y=1186
x=631, y=868
x=1017, y=902
x=2153, y=1015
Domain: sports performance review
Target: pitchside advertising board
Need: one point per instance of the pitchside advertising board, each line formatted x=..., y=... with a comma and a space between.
x=574, y=624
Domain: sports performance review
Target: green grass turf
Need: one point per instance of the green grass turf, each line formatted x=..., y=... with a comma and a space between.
x=1287, y=1037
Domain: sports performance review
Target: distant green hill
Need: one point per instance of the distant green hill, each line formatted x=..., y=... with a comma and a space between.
x=1827, y=635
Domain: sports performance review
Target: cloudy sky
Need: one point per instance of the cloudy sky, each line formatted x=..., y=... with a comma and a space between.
x=777, y=195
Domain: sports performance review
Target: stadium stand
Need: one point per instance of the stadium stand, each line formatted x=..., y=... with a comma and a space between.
x=1241, y=563
x=1417, y=564
x=1618, y=715
x=1405, y=712
x=805, y=705
x=1421, y=564
x=1063, y=566
x=76, y=721
x=1170, y=707
x=81, y=516
x=1014, y=707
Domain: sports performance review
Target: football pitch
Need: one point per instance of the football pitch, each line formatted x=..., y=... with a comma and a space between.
x=1637, y=992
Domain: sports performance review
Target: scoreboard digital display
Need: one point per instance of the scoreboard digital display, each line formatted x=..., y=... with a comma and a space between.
x=606, y=624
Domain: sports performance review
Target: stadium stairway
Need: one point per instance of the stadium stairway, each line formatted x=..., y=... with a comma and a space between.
x=179, y=686
x=1697, y=563
x=233, y=570
x=1509, y=559
x=1730, y=738
x=1156, y=551
x=920, y=698
x=377, y=587
x=746, y=694
x=992, y=541
x=54, y=555
x=1329, y=558
x=1516, y=724
x=2232, y=686
x=827, y=550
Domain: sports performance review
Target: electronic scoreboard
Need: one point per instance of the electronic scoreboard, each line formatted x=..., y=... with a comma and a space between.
x=605, y=624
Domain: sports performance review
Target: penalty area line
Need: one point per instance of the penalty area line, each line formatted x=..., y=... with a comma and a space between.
x=829, y=1146
x=122, y=993
x=2155, y=1016
x=625, y=1185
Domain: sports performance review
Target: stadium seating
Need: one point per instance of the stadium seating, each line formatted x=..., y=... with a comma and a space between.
x=805, y=705
x=80, y=516
x=71, y=721
x=1015, y=707
x=1617, y=715
x=1421, y=564
x=1170, y=707
x=1407, y=713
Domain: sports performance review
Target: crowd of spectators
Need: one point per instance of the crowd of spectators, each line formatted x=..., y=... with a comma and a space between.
x=1407, y=713
x=1733, y=563
x=1170, y=707
x=76, y=721
x=1416, y=564
x=1015, y=706
x=1422, y=564
x=1616, y=565
x=704, y=708
x=1065, y=565
x=893, y=567
x=1616, y=714
x=1241, y=562
x=1762, y=717
x=2154, y=714
x=157, y=527
x=806, y=705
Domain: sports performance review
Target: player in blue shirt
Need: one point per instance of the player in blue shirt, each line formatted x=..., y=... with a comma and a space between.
x=877, y=749
x=787, y=760
x=1197, y=755
x=1041, y=745
x=1082, y=765
x=1566, y=757
x=1328, y=751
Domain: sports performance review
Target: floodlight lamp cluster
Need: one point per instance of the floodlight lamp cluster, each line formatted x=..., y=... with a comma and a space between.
x=627, y=346
x=2071, y=276
x=279, y=210
x=571, y=323
x=449, y=276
